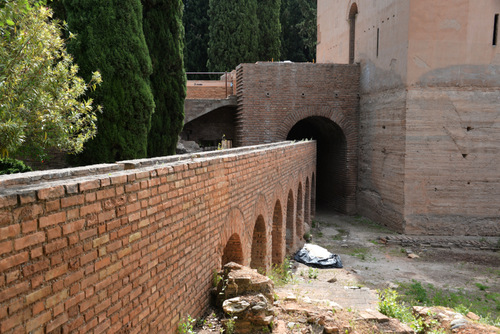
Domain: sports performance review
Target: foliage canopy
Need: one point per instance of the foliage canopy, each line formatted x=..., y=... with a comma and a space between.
x=164, y=34
x=233, y=34
x=40, y=92
x=111, y=38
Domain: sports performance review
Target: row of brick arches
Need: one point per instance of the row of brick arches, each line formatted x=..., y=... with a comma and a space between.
x=271, y=237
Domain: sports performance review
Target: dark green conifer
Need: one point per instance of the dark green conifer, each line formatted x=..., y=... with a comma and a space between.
x=196, y=21
x=110, y=39
x=164, y=32
x=298, y=22
x=269, y=29
x=234, y=33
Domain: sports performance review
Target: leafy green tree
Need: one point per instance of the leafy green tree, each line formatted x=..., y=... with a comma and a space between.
x=111, y=39
x=163, y=30
x=233, y=34
x=298, y=21
x=196, y=23
x=40, y=92
x=269, y=29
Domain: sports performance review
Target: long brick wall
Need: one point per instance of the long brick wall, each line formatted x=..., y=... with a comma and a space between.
x=131, y=247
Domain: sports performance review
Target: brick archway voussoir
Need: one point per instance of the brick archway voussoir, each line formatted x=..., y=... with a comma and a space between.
x=349, y=130
x=235, y=224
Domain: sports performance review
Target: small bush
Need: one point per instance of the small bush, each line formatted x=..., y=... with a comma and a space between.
x=11, y=166
x=393, y=308
x=186, y=325
x=281, y=274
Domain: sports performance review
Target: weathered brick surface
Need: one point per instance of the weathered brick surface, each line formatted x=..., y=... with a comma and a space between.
x=275, y=97
x=134, y=250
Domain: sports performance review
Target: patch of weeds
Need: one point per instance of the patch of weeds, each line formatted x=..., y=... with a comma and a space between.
x=480, y=302
x=229, y=324
x=390, y=305
x=365, y=221
x=462, y=309
x=341, y=235
x=362, y=254
x=308, y=236
x=312, y=273
x=216, y=278
x=186, y=325
x=315, y=223
x=397, y=252
x=281, y=274
x=418, y=292
x=319, y=234
x=482, y=287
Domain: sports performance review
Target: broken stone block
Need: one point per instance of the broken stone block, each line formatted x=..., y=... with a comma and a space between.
x=247, y=297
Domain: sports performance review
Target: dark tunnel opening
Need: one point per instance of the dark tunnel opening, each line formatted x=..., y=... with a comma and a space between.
x=331, y=165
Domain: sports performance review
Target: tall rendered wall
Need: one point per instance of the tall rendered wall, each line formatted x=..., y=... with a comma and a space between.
x=132, y=246
x=452, y=181
x=382, y=111
x=429, y=110
x=453, y=119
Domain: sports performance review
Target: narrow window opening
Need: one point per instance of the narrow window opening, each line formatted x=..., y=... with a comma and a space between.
x=378, y=39
x=495, y=30
x=352, y=31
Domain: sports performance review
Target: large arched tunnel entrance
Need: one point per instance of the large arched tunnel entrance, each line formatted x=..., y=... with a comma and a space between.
x=331, y=179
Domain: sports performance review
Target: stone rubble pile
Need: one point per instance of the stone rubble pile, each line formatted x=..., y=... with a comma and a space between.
x=247, y=298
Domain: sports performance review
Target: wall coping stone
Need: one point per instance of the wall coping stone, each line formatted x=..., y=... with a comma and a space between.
x=23, y=183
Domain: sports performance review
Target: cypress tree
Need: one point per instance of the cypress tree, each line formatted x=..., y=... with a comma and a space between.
x=298, y=35
x=164, y=31
x=110, y=38
x=233, y=34
x=196, y=21
x=269, y=29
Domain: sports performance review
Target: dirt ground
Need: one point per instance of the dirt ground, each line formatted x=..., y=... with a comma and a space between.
x=377, y=265
x=370, y=264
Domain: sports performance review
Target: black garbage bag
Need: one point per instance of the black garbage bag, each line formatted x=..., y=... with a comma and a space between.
x=317, y=257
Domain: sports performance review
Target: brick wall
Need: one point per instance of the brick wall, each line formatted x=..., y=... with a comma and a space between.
x=205, y=89
x=323, y=100
x=132, y=246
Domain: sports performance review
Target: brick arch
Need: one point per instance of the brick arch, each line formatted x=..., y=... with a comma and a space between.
x=336, y=157
x=260, y=236
x=234, y=226
x=233, y=251
x=259, y=259
x=313, y=194
x=277, y=234
x=333, y=114
x=261, y=208
x=299, y=216
x=289, y=226
x=307, y=205
x=278, y=224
